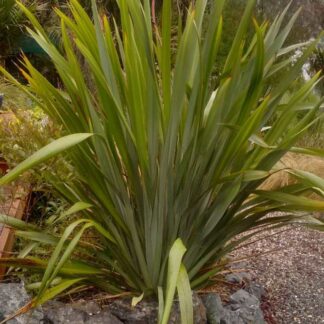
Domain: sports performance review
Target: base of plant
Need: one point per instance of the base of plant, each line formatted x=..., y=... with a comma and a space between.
x=243, y=306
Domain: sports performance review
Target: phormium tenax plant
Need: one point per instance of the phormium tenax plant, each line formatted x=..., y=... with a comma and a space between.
x=167, y=170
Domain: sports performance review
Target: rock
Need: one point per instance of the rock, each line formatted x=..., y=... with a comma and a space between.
x=242, y=297
x=214, y=308
x=232, y=318
x=103, y=317
x=217, y=313
x=90, y=307
x=238, y=265
x=256, y=290
x=79, y=313
x=238, y=275
x=246, y=306
x=59, y=313
x=243, y=308
x=238, y=278
x=13, y=296
x=245, y=276
x=200, y=316
x=146, y=312
x=233, y=278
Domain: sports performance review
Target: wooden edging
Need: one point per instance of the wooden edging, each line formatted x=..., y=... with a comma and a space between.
x=15, y=206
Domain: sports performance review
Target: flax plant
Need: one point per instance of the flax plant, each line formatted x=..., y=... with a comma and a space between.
x=167, y=170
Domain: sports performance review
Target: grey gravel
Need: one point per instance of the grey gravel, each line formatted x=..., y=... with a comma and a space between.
x=293, y=274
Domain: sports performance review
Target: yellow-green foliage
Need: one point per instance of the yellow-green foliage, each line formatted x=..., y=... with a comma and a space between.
x=23, y=132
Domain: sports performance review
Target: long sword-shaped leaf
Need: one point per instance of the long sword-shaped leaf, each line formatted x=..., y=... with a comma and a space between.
x=53, y=292
x=175, y=257
x=185, y=296
x=45, y=153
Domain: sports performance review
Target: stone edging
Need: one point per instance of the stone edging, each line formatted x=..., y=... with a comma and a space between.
x=243, y=307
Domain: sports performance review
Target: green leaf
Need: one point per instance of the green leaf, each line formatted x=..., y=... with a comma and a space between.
x=185, y=296
x=44, y=154
x=308, y=178
x=161, y=304
x=178, y=151
x=308, y=151
x=17, y=223
x=291, y=201
x=174, y=263
x=56, y=290
x=136, y=300
x=77, y=207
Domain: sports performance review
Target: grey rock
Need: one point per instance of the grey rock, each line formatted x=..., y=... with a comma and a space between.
x=219, y=314
x=242, y=297
x=243, y=308
x=238, y=278
x=59, y=313
x=200, y=316
x=256, y=290
x=214, y=308
x=247, y=307
x=239, y=274
x=146, y=312
x=245, y=276
x=233, y=278
x=90, y=307
x=239, y=265
x=13, y=296
x=79, y=313
x=231, y=318
x=104, y=317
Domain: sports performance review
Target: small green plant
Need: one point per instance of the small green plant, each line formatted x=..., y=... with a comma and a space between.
x=166, y=169
x=23, y=132
x=13, y=97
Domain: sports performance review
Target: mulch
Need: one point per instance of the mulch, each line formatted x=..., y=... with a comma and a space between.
x=290, y=265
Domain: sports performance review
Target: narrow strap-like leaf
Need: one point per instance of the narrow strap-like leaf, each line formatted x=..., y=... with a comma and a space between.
x=44, y=154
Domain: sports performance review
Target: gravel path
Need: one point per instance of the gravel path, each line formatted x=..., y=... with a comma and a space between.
x=293, y=273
